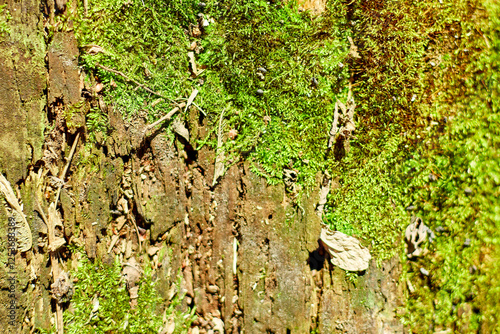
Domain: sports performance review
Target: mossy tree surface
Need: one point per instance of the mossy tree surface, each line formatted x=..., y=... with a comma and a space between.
x=304, y=60
x=426, y=86
x=428, y=133
x=101, y=303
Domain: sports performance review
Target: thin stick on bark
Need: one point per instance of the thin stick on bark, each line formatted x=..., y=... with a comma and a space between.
x=166, y=117
x=63, y=175
x=191, y=99
x=132, y=219
x=202, y=111
x=116, y=237
x=335, y=127
x=219, y=159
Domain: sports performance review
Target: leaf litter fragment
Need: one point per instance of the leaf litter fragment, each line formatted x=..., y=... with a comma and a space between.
x=24, y=237
x=345, y=251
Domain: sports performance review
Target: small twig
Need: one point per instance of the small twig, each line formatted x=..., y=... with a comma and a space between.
x=335, y=127
x=202, y=111
x=219, y=159
x=191, y=99
x=166, y=117
x=63, y=175
x=484, y=37
x=116, y=237
x=114, y=240
x=219, y=133
x=126, y=77
x=60, y=322
x=132, y=219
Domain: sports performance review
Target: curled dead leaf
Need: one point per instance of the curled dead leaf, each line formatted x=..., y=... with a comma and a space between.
x=345, y=251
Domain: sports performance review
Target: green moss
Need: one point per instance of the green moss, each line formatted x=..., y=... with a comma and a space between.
x=438, y=153
x=149, y=43
x=74, y=116
x=420, y=62
x=287, y=126
x=5, y=17
x=97, y=280
x=97, y=126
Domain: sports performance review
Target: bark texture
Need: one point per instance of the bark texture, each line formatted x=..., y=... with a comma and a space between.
x=246, y=250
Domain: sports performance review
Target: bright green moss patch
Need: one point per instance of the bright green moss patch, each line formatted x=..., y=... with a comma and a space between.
x=147, y=42
x=5, y=17
x=283, y=114
x=101, y=303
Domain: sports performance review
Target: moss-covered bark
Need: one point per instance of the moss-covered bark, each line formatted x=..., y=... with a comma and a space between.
x=242, y=247
x=23, y=76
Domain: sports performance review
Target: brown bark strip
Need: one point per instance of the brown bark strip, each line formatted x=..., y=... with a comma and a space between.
x=56, y=271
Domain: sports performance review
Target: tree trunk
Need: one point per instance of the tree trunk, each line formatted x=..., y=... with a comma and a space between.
x=245, y=250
